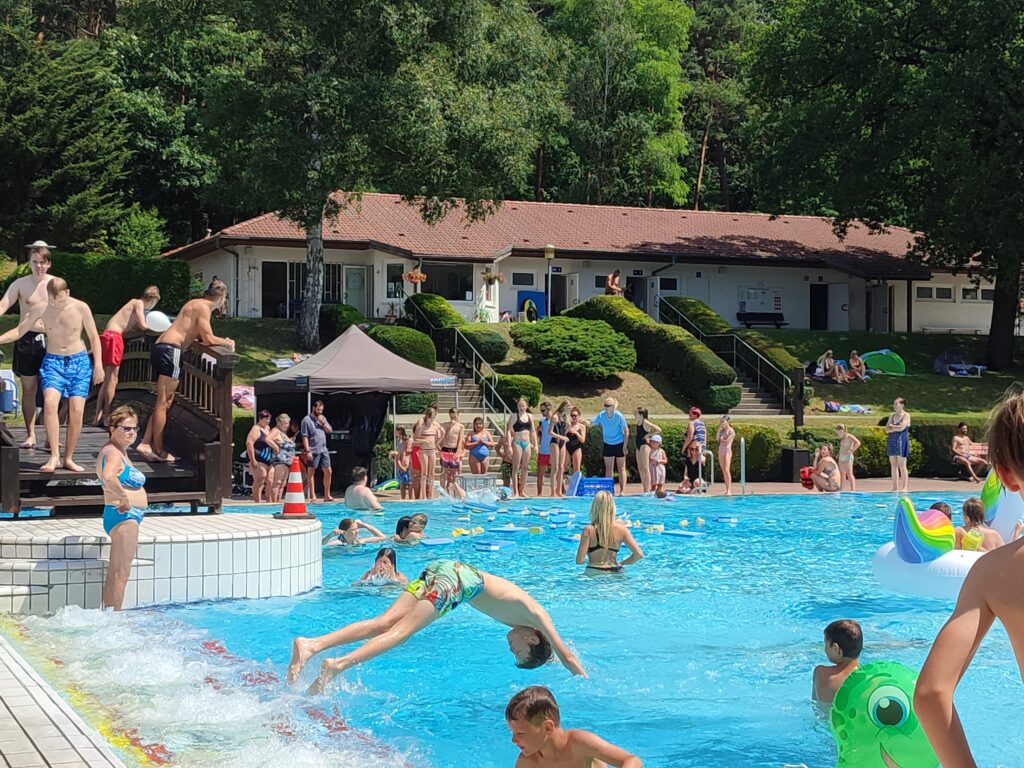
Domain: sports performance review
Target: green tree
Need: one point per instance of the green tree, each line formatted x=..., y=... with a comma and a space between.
x=624, y=143
x=907, y=113
x=433, y=99
x=63, y=143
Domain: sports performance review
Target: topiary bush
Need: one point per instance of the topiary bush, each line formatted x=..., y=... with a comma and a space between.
x=488, y=342
x=435, y=308
x=699, y=313
x=777, y=354
x=106, y=283
x=577, y=348
x=335, y=319
x=413, y=345
x=415, y=402
x=511, y=387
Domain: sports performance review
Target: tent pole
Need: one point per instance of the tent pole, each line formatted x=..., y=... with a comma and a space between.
x=309, y=401
x=394, y=430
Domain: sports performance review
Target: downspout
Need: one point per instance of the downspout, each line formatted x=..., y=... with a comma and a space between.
x=237, y=259
x=661, y=269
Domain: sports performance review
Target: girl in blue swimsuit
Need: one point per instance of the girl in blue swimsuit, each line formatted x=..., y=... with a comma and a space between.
x=479, y=444
x=124, y=502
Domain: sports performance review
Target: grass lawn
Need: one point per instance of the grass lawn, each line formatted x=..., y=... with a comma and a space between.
x=926, y=392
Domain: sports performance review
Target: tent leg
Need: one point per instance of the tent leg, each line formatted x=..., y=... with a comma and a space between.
x=394, y=431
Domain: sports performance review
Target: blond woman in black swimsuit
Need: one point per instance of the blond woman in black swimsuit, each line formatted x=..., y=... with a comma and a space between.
x=601, y=541
x=522, y=434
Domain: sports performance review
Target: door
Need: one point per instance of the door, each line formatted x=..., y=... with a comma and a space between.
x=818, y=320
x=355, y=288
x=559, y=294
x=274, y=289
x=636, y=291
x=838, y=307
x=572, y=289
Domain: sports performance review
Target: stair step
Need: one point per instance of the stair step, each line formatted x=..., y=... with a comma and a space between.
x=23, y=590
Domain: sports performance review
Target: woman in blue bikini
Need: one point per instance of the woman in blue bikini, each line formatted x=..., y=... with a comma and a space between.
x=479, y=443
x=124, y=501
x=898, y=445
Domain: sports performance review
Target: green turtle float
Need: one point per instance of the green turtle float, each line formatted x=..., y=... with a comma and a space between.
x=873, y=720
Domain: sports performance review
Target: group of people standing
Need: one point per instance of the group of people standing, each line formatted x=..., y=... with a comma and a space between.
x=270, y=451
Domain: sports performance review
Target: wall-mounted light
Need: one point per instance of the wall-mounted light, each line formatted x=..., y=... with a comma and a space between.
x=721, y=270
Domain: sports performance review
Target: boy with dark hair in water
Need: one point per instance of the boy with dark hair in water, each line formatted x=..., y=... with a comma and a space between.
x=536, y=724
x=944, y=508
x=843, y=643
x=991, y=591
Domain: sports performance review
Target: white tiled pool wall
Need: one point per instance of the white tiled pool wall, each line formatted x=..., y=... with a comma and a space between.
x=42, y=574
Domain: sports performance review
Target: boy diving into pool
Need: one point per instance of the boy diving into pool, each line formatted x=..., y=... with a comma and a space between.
x=441, y=588
x=991, y=591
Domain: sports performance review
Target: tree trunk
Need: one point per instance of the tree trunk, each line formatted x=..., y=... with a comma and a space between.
x=1004, y=310
x=538, y=178
x=700, y=165
x=309, y=320
x=723, y=175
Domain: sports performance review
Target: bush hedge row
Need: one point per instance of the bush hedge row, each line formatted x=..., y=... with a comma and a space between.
x=335, y=319
x=106, y=283
x=577, y=348
x=435, y=308
x=871, y=459
x=512, y=386
x=415, y=346
x=667, y=348
x=487, y=341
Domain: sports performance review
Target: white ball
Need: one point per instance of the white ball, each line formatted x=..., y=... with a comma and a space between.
x=158, y=321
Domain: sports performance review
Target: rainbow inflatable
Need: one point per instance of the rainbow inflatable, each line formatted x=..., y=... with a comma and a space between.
x=921, y=559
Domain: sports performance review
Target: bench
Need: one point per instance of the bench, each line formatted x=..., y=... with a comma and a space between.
x=961, y=329
x=979, y=450
x=749, y=319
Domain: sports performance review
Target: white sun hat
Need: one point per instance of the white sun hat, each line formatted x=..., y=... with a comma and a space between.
x=41, y=244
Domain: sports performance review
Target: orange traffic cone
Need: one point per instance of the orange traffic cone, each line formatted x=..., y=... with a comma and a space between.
x=294, y=500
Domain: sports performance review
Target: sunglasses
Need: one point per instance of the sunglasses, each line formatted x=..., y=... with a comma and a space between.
x=127, y=429
x=609, y=405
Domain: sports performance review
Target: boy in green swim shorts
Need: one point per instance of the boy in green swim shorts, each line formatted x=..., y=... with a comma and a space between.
x=440, y=589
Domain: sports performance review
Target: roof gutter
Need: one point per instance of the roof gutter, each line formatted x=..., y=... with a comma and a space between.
x=659, y=270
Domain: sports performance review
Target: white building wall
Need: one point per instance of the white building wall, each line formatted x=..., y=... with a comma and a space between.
x=943, y=315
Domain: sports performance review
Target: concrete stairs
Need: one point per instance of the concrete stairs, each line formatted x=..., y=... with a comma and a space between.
x=753, y=401
x=466, y=398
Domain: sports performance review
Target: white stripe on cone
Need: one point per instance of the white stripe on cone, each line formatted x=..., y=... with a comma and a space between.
x=294, y=500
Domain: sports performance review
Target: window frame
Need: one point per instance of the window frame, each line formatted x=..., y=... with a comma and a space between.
x=933, y=289
x=531, y=275
x=388, y=283
x=432, y=267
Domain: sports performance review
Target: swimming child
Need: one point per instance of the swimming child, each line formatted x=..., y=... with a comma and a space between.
x=657, y=459
x=442, y=587
x=991, y=591
x=401, y=458
x=406, y=532
x=536, y=724
x=944, y=508
x=347, y=533
x=843, y=642
x=975, y=536
x=384, y=570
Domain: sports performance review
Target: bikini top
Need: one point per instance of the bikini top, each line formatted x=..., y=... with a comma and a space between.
x=129, y=477
x=522, y=423
x=598, y=546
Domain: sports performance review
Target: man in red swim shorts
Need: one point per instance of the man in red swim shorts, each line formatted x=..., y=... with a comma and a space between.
x=132, y=315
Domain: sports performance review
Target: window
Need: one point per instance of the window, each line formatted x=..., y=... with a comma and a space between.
x=452, y=281
x=988, y=294
x=297, y=284
x=522, y=278
x=934, y=293
x=977, y=294
x=669, y=284
x=599, y=281
x=395, y=286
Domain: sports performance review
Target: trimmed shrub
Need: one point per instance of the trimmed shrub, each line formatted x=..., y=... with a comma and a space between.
x=511, y=387
x=580, y=349
x=667, y=348
x=106, y=283
x=871, y=459
x=335, y=319
x=699, y=313
x=416, y=402
x=487, y=341
x=413, y=345
x=777, y=354
x=436, y=309
x=935, y=436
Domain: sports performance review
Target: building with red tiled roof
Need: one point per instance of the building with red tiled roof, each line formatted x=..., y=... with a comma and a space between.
x=795, y=266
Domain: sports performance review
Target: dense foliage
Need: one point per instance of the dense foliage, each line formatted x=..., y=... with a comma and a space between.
x=436, y=309
x=512, y=386
x=488, y=342
x=335, y=319
x=577, y=348
x=409, y=343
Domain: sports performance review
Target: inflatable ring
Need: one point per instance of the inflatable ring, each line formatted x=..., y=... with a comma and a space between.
x=873, y=721
x=386, y=485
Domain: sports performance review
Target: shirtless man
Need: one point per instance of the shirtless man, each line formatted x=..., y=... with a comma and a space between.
x=193, y=322
x=131, y=315
x=442, y=587
x=66, y=370
x=962, y=449
x=358, y=496
x=30, y=293
x=991, y=591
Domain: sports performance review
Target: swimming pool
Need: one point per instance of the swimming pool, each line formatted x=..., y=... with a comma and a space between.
x=700, y=655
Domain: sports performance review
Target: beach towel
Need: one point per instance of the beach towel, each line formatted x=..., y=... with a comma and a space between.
x=242, y=397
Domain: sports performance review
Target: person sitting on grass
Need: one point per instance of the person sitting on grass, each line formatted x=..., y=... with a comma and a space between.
x=991, y=591
x=442, y=587
x=975, y=536
x=536, y=724
x=358, y=496
x=829, y=369
x=964, y=452
x=843, y=643
x=347, y=534
x=857, y=369
x=384, y=570
x=826, y=470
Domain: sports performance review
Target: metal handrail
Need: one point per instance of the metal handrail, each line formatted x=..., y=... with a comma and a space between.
x=474, y=361
x=753, y=361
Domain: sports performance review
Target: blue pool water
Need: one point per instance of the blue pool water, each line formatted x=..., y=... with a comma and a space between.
x=700, y=655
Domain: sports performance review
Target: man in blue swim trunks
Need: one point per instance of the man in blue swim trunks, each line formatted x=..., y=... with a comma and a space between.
x=66, y=370
x=440, y=589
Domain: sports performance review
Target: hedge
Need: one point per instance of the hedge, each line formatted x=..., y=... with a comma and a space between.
x=106, y=283
x=777, y=354
x=763, y=450
x=335, y=319
x=415, y=346
x=487, y=341
x=699, y=313
x=577, y=348
x=435, y=308
x=871, y=459
x=415, y=402
x=668, y=348
x=935, y=436
x=513, y=386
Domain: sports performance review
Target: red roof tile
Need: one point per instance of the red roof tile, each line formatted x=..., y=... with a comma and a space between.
x=593, y=230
